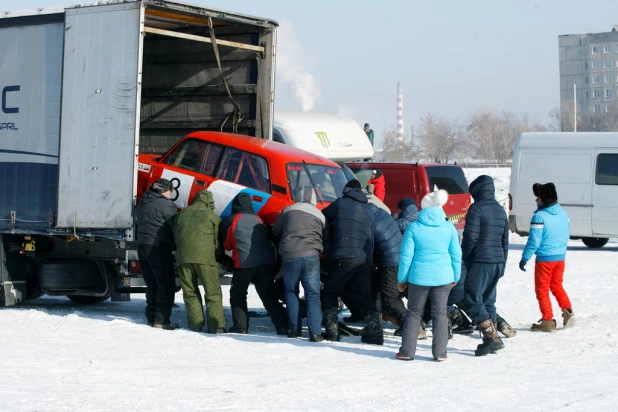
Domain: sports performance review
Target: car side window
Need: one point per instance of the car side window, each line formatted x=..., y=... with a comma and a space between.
x=245, y=169
x=607, y=169
x=195, y=155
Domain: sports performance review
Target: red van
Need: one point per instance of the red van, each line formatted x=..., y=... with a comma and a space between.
x=416, y=180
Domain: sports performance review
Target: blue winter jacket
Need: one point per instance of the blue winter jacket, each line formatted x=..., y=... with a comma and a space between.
x=549, y=234
x=430, y=253
x=387, y=239
x=486, y=234
x=407, y=216
x=353, y=226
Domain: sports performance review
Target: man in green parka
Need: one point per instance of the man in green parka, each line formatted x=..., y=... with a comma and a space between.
x=195, y=234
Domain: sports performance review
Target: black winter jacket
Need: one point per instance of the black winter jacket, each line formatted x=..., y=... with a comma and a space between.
x=353, y=226
x=155, y=220
x=486, y=234
x=387, y=239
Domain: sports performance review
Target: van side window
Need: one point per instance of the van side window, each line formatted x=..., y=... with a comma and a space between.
x=245, y=169
x=607, y=169
x=195, y=155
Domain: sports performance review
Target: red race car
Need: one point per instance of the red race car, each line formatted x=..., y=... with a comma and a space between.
x=227, y=164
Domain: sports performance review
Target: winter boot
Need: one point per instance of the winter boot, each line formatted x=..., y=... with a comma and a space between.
x=375, y=333
x=238, y=329
x=331, y=325
x=491, y=340
x=216, y=331
x=294, y=334
x=568, y=318
x=461, y=323
x=504, y=328
x=544, y=326
x=283, y=331
x=166, y=326
x=315, y=338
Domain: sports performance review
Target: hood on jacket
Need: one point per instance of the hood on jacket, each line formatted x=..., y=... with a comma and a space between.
x=437, y=198
x=150, y=196
x=356, y=194
x=305, y=194
x=483, y=188
x=432, y=216
x=242, y=204
x=409, y=213
x=378, y=173
x=205, y=197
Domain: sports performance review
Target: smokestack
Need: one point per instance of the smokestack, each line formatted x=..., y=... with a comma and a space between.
x=399, y=112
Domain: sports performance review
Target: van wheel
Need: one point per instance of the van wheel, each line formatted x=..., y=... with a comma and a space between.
x=595, y=242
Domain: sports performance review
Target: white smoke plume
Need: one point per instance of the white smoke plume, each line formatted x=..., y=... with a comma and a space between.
x=292, y=64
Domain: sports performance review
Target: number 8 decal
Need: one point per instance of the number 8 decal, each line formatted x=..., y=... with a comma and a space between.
x=175, y=186
x=181, y=187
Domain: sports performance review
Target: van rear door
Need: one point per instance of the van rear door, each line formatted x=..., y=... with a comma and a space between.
x=453, y=180
x=605, y=193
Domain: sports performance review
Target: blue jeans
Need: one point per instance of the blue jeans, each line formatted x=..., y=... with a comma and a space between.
x=306, y=270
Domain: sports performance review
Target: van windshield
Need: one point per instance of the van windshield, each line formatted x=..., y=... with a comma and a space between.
x=327, y=181
x=449, y=178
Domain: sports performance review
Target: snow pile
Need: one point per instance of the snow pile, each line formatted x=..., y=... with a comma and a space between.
x=58, y=356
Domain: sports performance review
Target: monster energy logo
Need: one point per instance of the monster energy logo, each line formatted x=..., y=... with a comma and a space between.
x=323, y=139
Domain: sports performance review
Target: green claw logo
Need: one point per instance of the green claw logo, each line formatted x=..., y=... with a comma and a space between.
x=323, y=139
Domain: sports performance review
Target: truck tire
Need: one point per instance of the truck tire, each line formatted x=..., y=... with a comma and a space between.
x=595, y=242
x=87, y=300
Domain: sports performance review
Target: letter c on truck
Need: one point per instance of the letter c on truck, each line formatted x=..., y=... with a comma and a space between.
x=5, y=91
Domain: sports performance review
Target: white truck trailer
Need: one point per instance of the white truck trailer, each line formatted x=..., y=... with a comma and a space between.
x=84, y=89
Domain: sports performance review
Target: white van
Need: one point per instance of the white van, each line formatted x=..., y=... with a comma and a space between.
x=584, y=168
x=334, y=137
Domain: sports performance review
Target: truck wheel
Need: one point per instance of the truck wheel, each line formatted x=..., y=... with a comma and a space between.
x=87, y=300
x=595, y=242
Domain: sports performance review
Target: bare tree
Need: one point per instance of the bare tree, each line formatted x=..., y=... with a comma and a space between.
x=563, y=119
x=394, y=150
x=442, y=137
x=491, y=136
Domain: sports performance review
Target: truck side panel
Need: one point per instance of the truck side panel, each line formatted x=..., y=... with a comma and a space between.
x=99, y=100
x=30, y=81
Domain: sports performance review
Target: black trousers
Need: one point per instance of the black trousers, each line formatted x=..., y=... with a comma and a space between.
x=157, y=264
x=386, y=293
x=262, y=278
x=355, y=275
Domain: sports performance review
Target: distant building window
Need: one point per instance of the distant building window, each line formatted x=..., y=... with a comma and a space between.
x=609, y=93
x=596, y=79
x=608, y=108
x=586, y=65
x=606, y=48
x=607, y=64
x=608, y=78
x=595, y=64
x=595, y=49
x=596, y=94
x=587, y=95
x=586, y=79
x=596, y=108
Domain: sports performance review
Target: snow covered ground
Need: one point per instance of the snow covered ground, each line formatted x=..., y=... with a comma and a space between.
x=57, y=356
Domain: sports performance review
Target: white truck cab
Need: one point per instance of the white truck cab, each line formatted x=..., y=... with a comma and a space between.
x=584, y=168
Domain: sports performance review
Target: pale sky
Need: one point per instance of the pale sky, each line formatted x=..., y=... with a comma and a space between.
x=452, y=57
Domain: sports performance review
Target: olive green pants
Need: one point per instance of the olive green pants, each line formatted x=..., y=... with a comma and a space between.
x=189, y=274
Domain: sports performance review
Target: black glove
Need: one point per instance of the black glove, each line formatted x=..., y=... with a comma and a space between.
x=522, y=265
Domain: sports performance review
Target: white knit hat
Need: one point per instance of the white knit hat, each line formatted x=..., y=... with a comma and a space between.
x=437, y=198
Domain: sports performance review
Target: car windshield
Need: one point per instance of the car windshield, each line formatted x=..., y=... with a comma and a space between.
x=327, y=181
x=449, y=178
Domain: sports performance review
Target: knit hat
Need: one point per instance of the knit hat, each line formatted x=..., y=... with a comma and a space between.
x=405, y=202
x=435, y=199
x=549, y=196
x=353, y=184
x=161, y=186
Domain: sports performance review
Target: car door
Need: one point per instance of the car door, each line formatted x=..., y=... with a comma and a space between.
x=190, y=168
x=240, y=171
x=605, y=193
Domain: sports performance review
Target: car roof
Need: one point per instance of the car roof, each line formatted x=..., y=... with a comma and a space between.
x=262, y=147
x=398, y=164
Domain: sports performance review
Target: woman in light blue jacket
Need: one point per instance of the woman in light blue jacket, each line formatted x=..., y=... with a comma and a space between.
x=430, y=265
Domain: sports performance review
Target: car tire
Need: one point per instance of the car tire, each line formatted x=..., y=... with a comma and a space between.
x=595, y=242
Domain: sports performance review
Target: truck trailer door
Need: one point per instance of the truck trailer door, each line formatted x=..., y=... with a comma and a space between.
x=99, y=133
